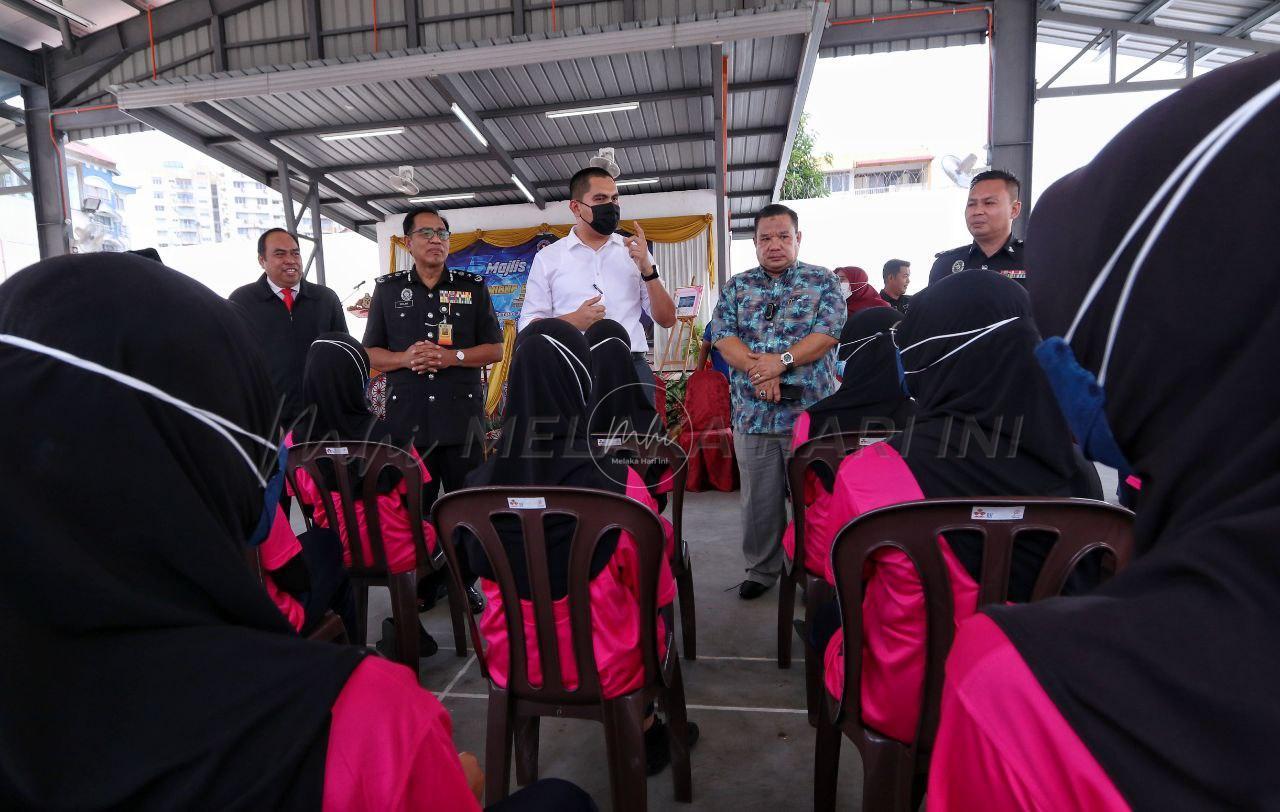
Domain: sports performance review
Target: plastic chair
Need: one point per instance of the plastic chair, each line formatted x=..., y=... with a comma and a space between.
x=827, y=451
x=891, y=768
x=366, y=571
x=514, y=711
x=642, y=453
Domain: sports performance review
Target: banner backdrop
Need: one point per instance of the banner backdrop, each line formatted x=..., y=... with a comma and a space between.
x=505, y=271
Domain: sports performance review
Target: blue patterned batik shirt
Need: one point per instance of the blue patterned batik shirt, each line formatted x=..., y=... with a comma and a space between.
x=807, y=300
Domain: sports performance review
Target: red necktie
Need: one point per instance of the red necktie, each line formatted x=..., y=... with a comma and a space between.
x=288, y=299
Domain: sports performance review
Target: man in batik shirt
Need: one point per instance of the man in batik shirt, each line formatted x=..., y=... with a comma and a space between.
x=777, y=325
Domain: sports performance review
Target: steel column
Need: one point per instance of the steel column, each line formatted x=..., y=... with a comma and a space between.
x=1013, y=94
x=48, y=183
x=317, y=235
x=719, y=102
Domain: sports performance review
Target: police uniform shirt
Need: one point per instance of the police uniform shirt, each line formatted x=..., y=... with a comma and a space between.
x=1008, y=261
x=434, y=407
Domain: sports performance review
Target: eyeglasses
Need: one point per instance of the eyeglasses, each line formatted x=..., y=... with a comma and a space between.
x=429, y=233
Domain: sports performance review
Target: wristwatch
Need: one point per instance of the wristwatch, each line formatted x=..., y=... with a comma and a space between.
x=789, y=360
x=460, y=355
x=652, y=276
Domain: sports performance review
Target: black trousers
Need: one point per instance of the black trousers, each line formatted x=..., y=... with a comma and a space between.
x=330, y=586
x=448, y=466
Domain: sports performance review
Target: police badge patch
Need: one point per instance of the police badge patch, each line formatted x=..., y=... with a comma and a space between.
x=958, y=266
x=406, y=295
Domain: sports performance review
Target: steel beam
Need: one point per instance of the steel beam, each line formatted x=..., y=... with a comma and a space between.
x=99, y=52
x=763, y=166
x=218, y=42
x=492, y=189
x=36, y=13
x=13, y=167
x=450, y=88
x=20, y=65
x=872, y=30
x=1244, y=28
x=1150, y=10
x=315, y=27
x=10, y=114
x=317, y=231
x=468, y=60
x=48, y=181
x=413, y=28
x=286, y=192
x=1157, y=31
x=808, y=58
x=656, y=141
x=720, y=178
x=1013, y=81
x=1107, y=88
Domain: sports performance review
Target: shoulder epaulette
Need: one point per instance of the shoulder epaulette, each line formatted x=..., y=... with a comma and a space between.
x=390, y=276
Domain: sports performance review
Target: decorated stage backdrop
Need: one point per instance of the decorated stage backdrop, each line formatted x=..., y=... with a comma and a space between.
x=505, y=270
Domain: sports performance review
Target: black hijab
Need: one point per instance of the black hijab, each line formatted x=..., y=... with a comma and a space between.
x=544, y=442
x=146, y=667
x=619, y=405
x=335, y=407
x=1168, y=672
x=986, y=423
x=870, y=394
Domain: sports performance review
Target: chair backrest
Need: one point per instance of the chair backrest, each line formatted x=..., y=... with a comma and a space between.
x=595, y=513
x=369, y=461
x=643, y=453
x=827, y=451
x=1081, y=526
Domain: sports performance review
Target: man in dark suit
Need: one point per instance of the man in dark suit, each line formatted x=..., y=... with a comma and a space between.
x=286, y=313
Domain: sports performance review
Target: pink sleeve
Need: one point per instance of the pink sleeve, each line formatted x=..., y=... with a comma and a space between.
x=281, y=544
x=1003, y=745
x=800, y=434
x=422, y=466
x=873, y=477
x=391, y=746
x=666, y=583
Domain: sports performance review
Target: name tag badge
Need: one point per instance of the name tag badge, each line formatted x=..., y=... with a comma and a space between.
x=998, y=514
x=608, y=442
x=526, y=503
x=340, y=451
x=446, y=334
x=404, y=304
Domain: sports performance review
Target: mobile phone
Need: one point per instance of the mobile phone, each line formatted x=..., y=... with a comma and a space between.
x=791, y=391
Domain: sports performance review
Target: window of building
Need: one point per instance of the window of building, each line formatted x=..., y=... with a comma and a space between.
x=837, y=182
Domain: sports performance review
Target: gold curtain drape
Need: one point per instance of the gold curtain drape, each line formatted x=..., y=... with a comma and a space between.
x=658, y=229
x=498, y=372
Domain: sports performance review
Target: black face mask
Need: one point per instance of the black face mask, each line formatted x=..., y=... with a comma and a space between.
x=605, y=217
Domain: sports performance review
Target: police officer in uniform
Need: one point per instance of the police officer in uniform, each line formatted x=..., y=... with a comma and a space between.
x=992, y=207
x=430, y=330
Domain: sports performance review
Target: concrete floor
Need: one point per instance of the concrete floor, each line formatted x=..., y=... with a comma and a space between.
x=756, y=748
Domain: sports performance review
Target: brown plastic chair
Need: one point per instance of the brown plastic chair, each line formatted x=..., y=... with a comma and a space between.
x=641, y=453
x=367, y=571
x=330, y=629
x=890, y=767
x=827, y=451
x=514, y=711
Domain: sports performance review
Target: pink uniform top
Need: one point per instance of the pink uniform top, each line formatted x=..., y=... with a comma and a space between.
x=393, y=519
x=391, y=746
x=280, y=546
x=893, y=603
x=819, y=524
x=1002, y=745
x=615, y=595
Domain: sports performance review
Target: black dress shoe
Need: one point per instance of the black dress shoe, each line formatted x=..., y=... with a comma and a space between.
x=750, y=590
x=427, y=644
x=475, y=600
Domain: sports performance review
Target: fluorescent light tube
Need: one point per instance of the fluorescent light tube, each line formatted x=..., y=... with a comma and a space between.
x=363, y=134
x=523, y=188
x=457, y=111
x=63, y=12
x=434, y=198
x=619, y=107
x=637, y=181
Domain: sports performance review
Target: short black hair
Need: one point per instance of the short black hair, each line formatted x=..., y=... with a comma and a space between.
x=262, y=239
x=581, y=180
x=773, y=210
x=892, y=267
x=413, y=215
x=1010, y=182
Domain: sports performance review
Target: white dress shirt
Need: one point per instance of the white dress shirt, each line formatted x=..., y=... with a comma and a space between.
x=568, y=272
x=279, y=291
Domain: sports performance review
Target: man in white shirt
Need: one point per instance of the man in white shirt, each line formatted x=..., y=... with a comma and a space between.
x=595, y=273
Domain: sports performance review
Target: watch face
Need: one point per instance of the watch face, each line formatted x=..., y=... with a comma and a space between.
x=787, y=358
x=460, y=355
